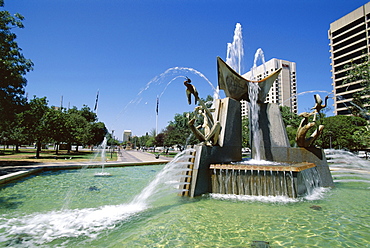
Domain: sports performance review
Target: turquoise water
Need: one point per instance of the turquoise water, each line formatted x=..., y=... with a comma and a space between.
x=75, y=209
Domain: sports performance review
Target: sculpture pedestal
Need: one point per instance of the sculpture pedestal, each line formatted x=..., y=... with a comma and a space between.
x=228, y=113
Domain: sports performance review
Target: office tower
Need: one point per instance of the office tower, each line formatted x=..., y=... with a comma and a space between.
x=349, y=43
x=284, y=90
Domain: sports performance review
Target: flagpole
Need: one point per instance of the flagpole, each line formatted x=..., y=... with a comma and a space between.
x=96, y=103
x=156, y=117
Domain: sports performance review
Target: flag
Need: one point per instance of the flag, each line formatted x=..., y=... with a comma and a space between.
x=156, y=110
x=96, y=101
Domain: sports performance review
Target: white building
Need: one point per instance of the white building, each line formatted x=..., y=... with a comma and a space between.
x=127, y=135
x=349, y=43
x=284, y=90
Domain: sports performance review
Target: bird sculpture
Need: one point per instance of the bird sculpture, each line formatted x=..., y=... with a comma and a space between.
x=318, y=106
x=190, y=89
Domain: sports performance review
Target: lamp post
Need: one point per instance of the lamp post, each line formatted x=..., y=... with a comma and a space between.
x=112, y=149
x=330, y=133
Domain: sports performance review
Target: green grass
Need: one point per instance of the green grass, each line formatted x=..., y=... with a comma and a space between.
x=27, y=156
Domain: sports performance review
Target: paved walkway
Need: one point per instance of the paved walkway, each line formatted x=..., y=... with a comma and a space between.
x=124, y=158
x=138, y=156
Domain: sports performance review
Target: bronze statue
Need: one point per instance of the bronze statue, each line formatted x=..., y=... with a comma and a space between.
x=211, y=128
x=190, y=89
x=305, y=125
x=211, y=132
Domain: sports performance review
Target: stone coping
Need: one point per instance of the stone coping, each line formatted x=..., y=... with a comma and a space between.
x=287, y=167
x=25, y=171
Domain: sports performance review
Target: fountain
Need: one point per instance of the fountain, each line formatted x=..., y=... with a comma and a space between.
x=257, y=205
x=102, y=151
x=123, y=212
x=217, y=165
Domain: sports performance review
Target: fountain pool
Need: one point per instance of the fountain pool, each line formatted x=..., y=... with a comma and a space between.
x=72, y=208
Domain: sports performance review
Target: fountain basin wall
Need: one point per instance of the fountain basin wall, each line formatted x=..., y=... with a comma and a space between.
x=274, y=145
x=292, y=180
x=298, y=154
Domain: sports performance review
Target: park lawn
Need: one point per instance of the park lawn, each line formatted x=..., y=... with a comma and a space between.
x=8, y=156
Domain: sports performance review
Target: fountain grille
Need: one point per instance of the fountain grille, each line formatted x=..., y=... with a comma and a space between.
x=292, y=180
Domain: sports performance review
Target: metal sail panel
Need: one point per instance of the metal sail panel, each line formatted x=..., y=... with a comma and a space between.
x=236, y=86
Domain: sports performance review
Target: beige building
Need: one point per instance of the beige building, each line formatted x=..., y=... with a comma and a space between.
x=284, y=90
x=349, y=43
x=127, y=135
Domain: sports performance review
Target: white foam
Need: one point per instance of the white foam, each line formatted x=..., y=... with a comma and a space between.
x=282, y=199
x=258, y=162
x=46, y=227
x=318, y=193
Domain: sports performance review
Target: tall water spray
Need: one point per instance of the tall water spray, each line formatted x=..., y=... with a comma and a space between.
x=235, y=50
x=258, y=55
x=234, y=58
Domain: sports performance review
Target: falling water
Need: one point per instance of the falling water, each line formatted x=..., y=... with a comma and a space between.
x=253, y=90
x=347, y=167
x=303, y=93
x=173, y=73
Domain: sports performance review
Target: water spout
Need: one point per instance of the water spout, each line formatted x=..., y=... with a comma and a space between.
x=235, y=50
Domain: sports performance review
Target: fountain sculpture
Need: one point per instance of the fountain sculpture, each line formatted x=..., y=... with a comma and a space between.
x=217, y=167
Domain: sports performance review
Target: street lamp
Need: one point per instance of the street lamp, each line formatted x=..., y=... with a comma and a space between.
x=112, y=149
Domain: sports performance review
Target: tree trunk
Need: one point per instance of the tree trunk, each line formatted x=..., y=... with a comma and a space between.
x=57, y=148
x=69, y=148
x=38, y=149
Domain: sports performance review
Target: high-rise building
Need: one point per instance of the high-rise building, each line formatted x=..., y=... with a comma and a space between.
x=349, y=43
x=284, y=89
x=126, y=135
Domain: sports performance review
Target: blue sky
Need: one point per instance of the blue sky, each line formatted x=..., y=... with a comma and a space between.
x=121, y=47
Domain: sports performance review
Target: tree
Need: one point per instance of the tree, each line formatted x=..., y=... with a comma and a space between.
x=56, y=126
x=360, y=73
x=340, y=132
x=34, y=118
x=291, y=122
x=159, y=139
x=82, y=127
x=178, y=131
x=245, y=132
x=362, y=137
x=13, y=67
x=98, y=132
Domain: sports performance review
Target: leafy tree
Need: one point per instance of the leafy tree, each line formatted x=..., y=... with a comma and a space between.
x=360, y=73
x=340, y=132
x=83, y=128
x=362, y=137
x=98, y=132
x=289, y=117
x=56, y=126
x=245, y=132
x=150, y=142
x=178, y=131
x=291, y=122
x=159, y=139
x=13, y=67
x=34, y=118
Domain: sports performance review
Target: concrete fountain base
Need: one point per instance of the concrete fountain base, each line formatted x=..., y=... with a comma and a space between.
x=291, y=180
